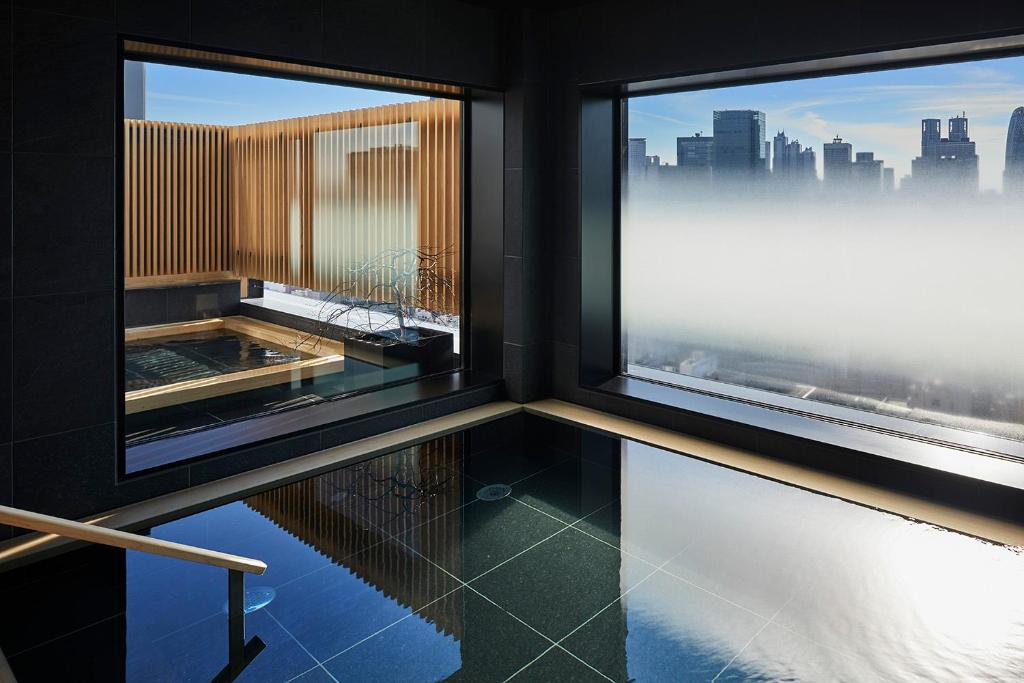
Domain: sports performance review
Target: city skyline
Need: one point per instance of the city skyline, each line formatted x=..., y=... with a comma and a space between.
x=878, y=112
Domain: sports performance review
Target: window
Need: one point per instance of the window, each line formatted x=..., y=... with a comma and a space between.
x=846, y=245
x=291, y=235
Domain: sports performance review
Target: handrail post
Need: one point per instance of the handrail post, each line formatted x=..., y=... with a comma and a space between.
x=236, y=622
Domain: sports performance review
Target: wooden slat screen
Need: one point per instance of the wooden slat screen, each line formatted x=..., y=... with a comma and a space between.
x=348, y=515
x=305, y=200
x=176, y=199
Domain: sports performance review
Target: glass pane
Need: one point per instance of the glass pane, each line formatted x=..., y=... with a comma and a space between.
x=834, y=244
x=286, y=242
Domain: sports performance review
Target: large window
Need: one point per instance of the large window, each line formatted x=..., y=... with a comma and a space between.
x=845, y=245
x=289, y=238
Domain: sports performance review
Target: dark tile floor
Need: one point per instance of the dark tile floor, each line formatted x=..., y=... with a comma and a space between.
x=608, y=561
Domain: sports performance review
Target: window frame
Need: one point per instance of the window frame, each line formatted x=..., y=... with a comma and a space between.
x=481, y=314
x=815, y=434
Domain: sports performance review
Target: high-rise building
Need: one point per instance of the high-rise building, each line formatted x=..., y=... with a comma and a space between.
x=134, y=90
x=866, y=171
x=1013, y=172
x=791, y=160
x=636, y=157
x=888, y=180
x=838, y=157
x=947, y=164
x=694, y=152
x=779, y=143
x=739, y=147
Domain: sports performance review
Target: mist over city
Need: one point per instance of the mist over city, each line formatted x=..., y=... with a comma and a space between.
x=879, y=271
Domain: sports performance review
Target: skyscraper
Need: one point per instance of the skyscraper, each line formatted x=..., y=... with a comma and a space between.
x=1013, y=173
x=694, y=152
x=866, y=171
x=838, y=156
x=947, y=165
x=636, y=158
x=739, y=148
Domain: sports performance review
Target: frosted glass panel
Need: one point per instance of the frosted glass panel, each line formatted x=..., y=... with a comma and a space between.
x=850, y=241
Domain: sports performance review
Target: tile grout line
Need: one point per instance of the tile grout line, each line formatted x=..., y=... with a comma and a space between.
x=530, y=663
x=385, y=628
x=297, y=642
x=752, y=638
x=64, y=635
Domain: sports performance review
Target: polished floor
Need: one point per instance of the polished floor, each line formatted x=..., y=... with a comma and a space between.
x=601, y=560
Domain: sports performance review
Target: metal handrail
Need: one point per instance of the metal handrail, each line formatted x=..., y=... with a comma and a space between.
x=122, y=539
x=240, y=653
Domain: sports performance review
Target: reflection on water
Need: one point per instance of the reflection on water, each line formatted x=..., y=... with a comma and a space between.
x=641, y=564
x=841, y=592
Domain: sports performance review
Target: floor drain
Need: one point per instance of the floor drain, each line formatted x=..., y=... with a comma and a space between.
x=494, y=492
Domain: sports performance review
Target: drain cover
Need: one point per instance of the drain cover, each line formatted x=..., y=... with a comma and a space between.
x=494, y=492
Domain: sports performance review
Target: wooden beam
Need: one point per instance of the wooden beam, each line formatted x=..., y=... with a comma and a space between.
x=231, y=383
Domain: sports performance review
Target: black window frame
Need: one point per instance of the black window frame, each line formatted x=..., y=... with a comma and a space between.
x=968, y=472
x=481, y=316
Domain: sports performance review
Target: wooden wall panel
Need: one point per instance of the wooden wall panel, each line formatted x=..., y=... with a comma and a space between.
x=301, y=201
x=175, y=199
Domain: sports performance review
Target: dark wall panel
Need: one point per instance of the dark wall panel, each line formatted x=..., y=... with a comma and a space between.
x=58, y=131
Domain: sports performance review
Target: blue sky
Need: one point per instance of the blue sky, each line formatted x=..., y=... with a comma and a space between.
x=878, y=112
x=189, y=95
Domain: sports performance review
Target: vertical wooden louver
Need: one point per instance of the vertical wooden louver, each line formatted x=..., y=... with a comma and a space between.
x=335, y=513
x=300, y=201
x=176, y=197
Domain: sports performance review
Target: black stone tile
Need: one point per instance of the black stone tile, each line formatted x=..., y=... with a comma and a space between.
x=156, y=18
x=511, y=464
x=5, y=226
x=514, y=304
x=73, y=474
x=252, y=458
x=524, y=372
x=73, y=657
x=513, y=212
x=402, y=490
x=557, y=585
x=341, y=604
x=461, y=638
x=196, y=302
x=558, y=665
x=565, y=371
x=63, y=224
x=376, y=36
x=317, y=675
x=570, y=490
x=65, y=86
x=64, y=363
x=464, y=42
x=5, y=484
x=287, y=28
x=566, y=299
x=664, y=629
x=52, y=599
x=513, y=121
x=483, y=534
x=6, y=100
x=89, y=9
x=199, y=653
x=370, y=426
x=145, y=307
x=462, y=400
x=6, y=389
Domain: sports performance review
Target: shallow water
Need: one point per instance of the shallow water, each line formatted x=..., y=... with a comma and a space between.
x=608, y=560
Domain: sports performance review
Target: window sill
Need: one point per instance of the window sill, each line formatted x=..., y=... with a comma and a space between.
x=148, y=457
x=820, y=443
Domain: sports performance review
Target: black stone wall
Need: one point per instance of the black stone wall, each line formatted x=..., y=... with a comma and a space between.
x=58, y=127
